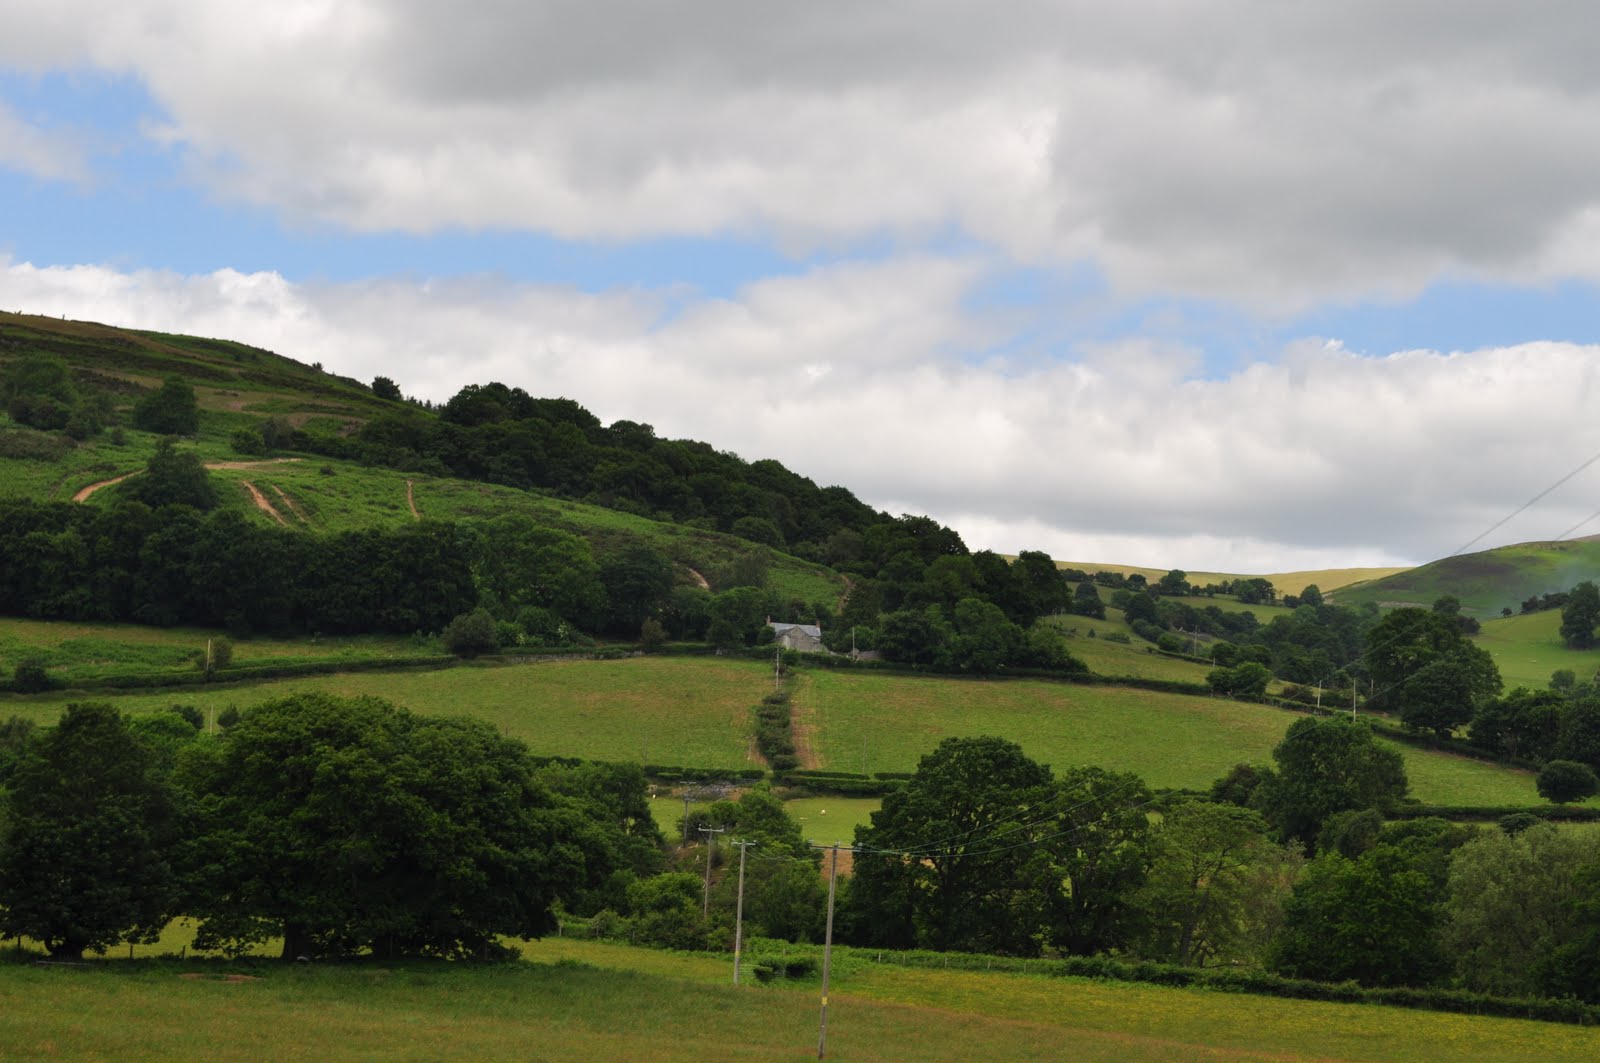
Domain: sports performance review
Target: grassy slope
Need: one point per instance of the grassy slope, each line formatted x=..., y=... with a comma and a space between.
x=585, y=1000
x=1488, y=581
x=1168, y=739
x=1527, y=648
x=237, y=386
x=663, y=710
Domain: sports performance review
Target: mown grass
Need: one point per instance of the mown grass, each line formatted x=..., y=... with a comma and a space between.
x=580, y=1000
x=662, y=710
x=1167, y=739
x=1528, y=648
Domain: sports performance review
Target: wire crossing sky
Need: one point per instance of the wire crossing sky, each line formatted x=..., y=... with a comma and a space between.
x=1210, y=285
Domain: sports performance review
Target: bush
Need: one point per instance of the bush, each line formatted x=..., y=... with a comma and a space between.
x=32, y=677
x=470, y=634
x=1562, y=782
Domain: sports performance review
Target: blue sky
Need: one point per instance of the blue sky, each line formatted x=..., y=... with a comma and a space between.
x=913, y=236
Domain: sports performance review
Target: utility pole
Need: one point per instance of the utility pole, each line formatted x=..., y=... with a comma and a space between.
x=827, y=952
x=686, y=817
x=777, y=667
x=711, y=843
x=738, y=916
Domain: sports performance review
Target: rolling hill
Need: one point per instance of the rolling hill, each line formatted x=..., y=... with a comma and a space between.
x=1487, y=582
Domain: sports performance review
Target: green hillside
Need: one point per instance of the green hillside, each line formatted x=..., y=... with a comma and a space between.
x=1527, y=648
x=1487, y=582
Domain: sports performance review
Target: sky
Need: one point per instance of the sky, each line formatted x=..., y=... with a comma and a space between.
x=1206, y=284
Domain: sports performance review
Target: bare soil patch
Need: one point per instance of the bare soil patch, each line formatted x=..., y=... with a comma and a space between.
x=411, y=500
x=294, y=507
x=262, y=503
x=84, y=492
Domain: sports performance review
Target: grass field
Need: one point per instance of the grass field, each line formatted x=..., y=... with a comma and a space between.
x=1168, y=739
x=1527, y=648
x=662, y=710
x=697, y=711
x=579, y=1000
x=75, y=652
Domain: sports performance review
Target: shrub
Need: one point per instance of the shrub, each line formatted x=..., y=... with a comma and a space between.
x=470, y=634
x=1565, y=781
x=32, y=677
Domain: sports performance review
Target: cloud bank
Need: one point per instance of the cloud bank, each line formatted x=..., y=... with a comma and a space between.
x=1264, y=153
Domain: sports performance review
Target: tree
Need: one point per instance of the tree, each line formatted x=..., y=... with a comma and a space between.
x=1512, y=900
x=1326, y=766
x=637, y=580
x=518, y=563
x=385, y=388
x=1312, y=595
x=1206, y=863
x=1245, y=680
x=1086, y=601
x=170, y=410
x=1374, y=919
x=1565, y=781
x=37, y=390
x=85, y=861
x=1090, y=858
x=173, y=477
x=1525, y=723
x=345, y=824
x=936, y=870
x=1428, y=671
x=1580, y=614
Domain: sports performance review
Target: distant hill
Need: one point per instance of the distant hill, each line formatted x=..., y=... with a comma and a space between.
x=1487, y=582
x=1326, y=579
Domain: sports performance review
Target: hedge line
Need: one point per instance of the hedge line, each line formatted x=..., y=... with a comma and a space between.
x=1259, y=983
x=1560, y=813
x=676, y=773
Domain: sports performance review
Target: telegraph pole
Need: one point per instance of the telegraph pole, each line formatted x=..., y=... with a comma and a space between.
x=711, y=840
x=827, y=952
x=686, y=817
x=738, y=917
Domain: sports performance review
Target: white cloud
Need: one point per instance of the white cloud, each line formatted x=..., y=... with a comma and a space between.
x=1275, y=154
x=1319, y=458
x=51, y=154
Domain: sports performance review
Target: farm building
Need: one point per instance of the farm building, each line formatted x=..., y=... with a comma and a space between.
x=806, y=638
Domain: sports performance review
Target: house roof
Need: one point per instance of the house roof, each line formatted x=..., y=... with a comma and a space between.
x=805, y=629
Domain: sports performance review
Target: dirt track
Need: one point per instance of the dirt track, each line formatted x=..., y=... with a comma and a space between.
x=262, y=503
x=84, y=492
x=411, y=500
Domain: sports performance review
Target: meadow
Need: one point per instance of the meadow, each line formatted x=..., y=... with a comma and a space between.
x=661, y=710
x=74, y=652
x=1528, y=647
x=582, y=1000
x=886, y=723
x=697, y=711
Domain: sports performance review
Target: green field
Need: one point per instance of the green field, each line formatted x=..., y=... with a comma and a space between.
x=578, y=1000
x=661, y=710
x=77, y=652
x=1168, y=739
x=697, y=711
x=1326, y=579
x=1528, y=647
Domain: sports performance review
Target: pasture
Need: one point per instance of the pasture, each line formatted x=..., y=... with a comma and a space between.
x=582, y=1000
x=1527, y=648
x=661, y=710
x=887, y=723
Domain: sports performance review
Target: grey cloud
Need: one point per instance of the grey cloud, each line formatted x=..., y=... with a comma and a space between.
x=1273, y=154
